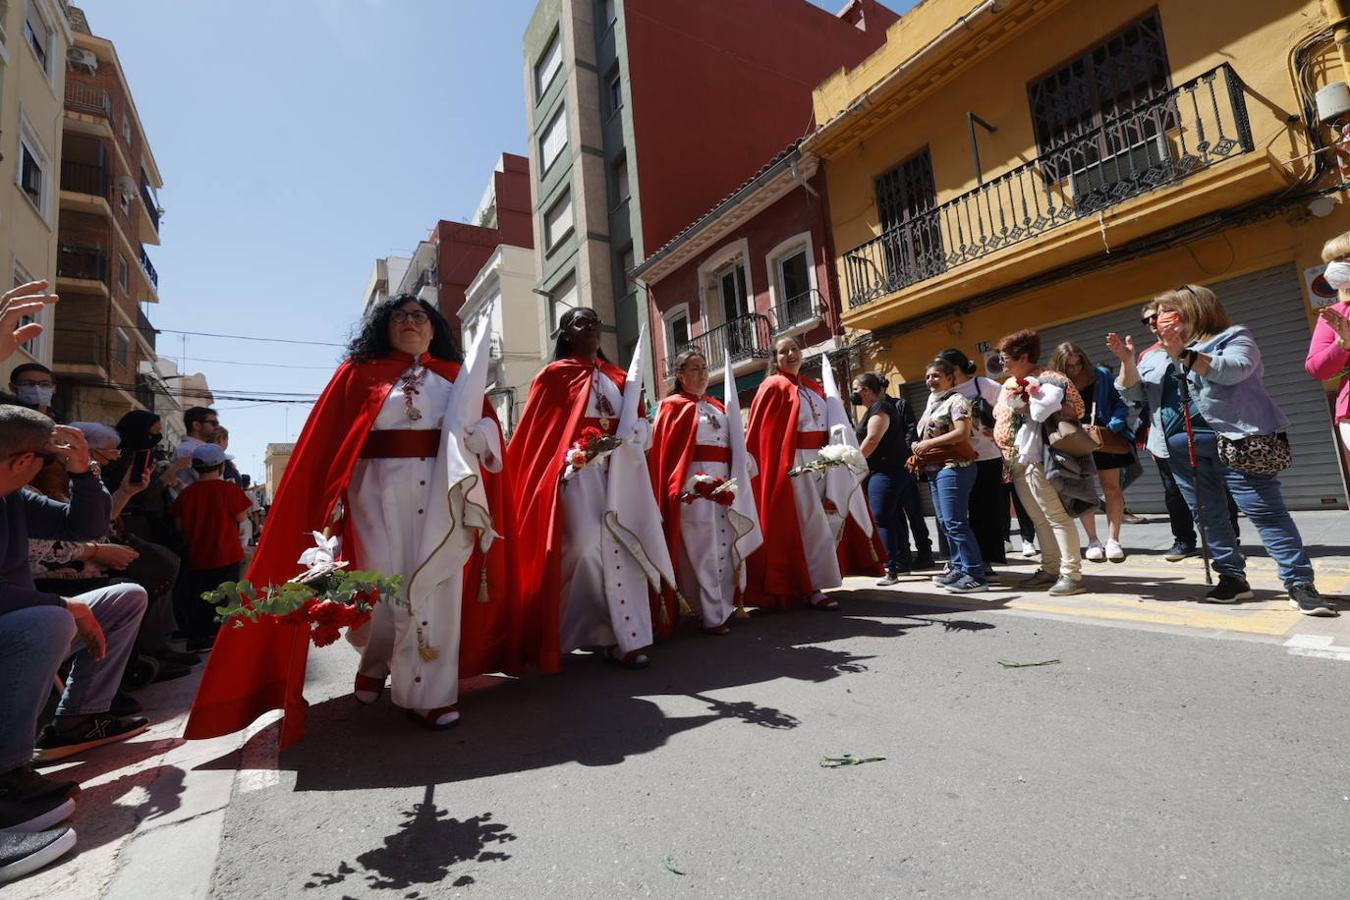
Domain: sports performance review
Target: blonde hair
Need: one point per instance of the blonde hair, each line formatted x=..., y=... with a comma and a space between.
x=1336, y=248
x=1059, y=360
x=1201, y=313
x=773, y=357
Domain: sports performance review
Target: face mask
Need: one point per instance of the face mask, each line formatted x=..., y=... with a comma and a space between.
x=1338, y=275
x=856, y=398
x=35, y=394
x=151, y=440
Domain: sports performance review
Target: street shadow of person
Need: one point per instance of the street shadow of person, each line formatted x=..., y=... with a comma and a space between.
x=423, y=851
x=592, y=713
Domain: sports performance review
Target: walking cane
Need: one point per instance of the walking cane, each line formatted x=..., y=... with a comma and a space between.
x=1184, y=388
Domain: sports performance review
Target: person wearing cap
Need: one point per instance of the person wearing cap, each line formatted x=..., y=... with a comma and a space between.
x=210, y=510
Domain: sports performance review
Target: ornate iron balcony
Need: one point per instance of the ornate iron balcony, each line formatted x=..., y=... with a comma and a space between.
x=149, y=269
x=1154, y=144
x=744, y=337
x=797, y=310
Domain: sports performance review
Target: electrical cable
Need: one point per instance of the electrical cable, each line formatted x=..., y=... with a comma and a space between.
x=245, y=337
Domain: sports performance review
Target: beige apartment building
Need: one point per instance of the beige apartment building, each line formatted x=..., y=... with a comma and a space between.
x=35, y=36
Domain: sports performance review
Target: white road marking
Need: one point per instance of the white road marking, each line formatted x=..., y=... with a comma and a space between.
x=1316, y=645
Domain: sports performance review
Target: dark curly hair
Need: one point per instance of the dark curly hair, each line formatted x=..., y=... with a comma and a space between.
x=371, y=340
x=562, y=346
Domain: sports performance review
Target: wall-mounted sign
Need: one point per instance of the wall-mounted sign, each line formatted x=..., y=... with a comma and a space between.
x=993, y=365
x=1319, y=292
x=983, y=347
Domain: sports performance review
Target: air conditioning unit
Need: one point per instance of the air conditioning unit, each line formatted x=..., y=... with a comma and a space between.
x=126, y=185
x=82, y=59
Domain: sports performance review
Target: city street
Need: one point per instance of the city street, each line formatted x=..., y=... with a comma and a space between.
x=1170, y=749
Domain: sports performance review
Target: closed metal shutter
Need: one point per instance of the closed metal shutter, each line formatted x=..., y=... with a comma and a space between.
x=1270, y=303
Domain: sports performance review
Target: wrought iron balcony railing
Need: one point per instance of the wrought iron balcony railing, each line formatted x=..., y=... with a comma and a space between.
x=744, y=337
x=88, y=263
x=83, y=178
x=149, y=269
x=151, y=206
x=86, y=98
x=1156, y=143
x=797, y=310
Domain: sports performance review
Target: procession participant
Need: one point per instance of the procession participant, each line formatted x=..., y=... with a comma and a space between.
x=581, y=585
x=710, y=532
x=787, y=428
x=381, y=465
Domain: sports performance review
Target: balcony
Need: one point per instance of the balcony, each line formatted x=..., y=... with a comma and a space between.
x=744, y=337
x=151, y=207
x=80, y=351
x=1156, y=144
x=147, y=267
x=798, y=313
x=88, y=99
x=84, y=263
x=82, y=178
x=147, y=331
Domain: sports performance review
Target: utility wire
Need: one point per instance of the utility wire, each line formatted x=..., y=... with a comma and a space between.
x=235, y=362
x=245, y=337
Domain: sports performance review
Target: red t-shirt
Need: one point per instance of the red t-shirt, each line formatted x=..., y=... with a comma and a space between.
x=207, y=510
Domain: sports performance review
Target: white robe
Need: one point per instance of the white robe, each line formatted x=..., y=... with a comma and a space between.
x=708, y=569
x=394, y=506
x=808, y=492
x=602, y=590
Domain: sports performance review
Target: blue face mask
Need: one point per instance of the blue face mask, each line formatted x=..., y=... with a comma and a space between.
x=35, y=394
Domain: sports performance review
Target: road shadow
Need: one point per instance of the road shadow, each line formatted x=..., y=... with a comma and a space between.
x=423, y=851
x=594, y=713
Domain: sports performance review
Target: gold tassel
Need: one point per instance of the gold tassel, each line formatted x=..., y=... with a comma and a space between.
x=483, y=583
x=663, y=614
x=741, y=612
x=685, y=609
x=427, y=652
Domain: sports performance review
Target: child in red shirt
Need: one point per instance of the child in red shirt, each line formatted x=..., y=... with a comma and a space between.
x=210, y=510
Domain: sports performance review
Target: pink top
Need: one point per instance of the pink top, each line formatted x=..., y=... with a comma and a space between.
x=1326, y=360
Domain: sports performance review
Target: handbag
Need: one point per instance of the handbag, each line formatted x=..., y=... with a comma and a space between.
x=1067, y=436
x=1257, y=454
x=961, y=451
x=1107, y=441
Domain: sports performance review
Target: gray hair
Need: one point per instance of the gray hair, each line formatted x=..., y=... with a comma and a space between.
x=98, y=435
x=23, y=430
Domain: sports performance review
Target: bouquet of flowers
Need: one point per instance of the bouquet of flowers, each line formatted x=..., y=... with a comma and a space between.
x=323, y=604
x=1017, y=397
x=833, y=455
x=591, y=445
x=710, y=487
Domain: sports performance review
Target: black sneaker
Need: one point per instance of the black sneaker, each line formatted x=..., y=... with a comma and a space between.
x=1305, y=599
x=948, y=576
x=123, y=704
x=57, y=741
x=24, y=854
x=22, y=784
x=1179, y=552
x=924, y=560
x=34, y=815
x=1230, y=589
x=889, y=579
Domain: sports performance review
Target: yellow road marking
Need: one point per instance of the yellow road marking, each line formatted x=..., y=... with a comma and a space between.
x=1240, y=618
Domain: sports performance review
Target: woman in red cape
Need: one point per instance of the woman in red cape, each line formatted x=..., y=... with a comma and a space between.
x=710, y=536
x=262, y=666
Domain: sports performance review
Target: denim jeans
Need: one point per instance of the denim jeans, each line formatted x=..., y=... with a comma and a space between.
x=1178, y=512
x=1256, y=495
x=951, y=486
x=91, y=685
x=33, y=642
x=883, y=496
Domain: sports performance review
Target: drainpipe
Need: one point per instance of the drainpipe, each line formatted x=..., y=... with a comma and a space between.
x=1338, y=16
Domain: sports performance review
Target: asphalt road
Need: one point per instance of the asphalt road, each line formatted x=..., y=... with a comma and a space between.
x=1142, y=764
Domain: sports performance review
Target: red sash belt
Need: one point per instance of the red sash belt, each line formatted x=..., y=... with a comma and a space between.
x=401, y=444
x=812, y=440
x=595, y=423
x=712, y=453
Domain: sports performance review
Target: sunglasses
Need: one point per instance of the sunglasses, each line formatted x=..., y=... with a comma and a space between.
x=1149, y=320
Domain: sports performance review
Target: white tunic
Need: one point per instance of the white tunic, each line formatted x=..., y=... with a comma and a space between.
x=707, y=567
x=390, y=500
x=808, y=492
x=602, y=590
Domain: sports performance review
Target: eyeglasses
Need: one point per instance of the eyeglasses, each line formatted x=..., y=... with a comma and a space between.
x=416, y=316
x=211, y=421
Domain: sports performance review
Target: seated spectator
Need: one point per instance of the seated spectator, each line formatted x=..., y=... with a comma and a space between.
x=210, y=510
x=38, y=629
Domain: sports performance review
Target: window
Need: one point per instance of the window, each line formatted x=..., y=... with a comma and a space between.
x=627, y=260
x=795, y=304
x=122, y=272
x=553, y=142
x=614, y=93
x=677, y=332
x=558, y=221
x=31, y=177
x=1073, y=107
x=731, y=291
x=562, y=298
x=121, y=346
x=621, y=190
x=126, y=129
x=548, y=67
x=39, y=37
x=610, y=13
x=905, y=198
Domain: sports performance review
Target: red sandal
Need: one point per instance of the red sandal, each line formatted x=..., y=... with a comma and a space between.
x=367, y=689
x=436, y=719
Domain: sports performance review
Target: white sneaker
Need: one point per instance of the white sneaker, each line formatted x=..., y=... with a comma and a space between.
x=1114, y=551
x=1095, y=553
x=1029, y=549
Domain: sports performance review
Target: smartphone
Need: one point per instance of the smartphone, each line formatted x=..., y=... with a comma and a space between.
x=140, y=461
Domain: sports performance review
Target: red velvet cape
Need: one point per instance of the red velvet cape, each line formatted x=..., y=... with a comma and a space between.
x=548, y=426
x=673, y=438
x=262, y=666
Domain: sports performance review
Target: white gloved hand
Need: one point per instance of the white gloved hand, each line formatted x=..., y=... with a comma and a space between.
x=476, y=436
x=641, y=436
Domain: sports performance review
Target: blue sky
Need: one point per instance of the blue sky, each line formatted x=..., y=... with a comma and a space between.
x=298, y=141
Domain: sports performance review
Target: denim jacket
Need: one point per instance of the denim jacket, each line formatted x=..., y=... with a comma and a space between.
x=1108, y=407
x=1231, y=395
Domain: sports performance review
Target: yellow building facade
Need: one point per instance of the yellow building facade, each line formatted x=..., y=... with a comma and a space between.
x=34, y=38
x=1052, y=164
